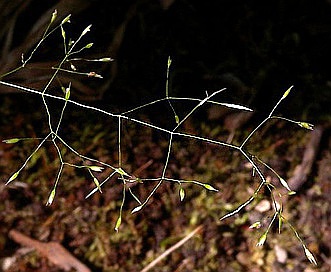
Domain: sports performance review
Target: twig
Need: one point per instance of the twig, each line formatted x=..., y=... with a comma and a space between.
x=53, y=251
x=303, y=170
x=173, y=248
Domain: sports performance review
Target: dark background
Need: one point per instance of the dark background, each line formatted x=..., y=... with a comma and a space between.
x=257, y=49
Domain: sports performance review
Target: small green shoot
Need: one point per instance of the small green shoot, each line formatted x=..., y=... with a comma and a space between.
x=309, y=255
x=54, y=16
x=118, y=223
x=51, y=197
x=306, y=125
x=11, y=141
x=284, y=183
x=181, y=193
x=256, y=225
x=65, y=20
x=96, y=182
x=137, y=209
x=96, y=168
x=287, y=92
x=262, y=239
x=13, y=177
x=67, y=92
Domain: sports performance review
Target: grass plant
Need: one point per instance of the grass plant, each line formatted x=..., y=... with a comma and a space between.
x=72, y=50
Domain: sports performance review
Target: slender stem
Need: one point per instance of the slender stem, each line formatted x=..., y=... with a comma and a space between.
x=102, y=183
x=61, y=117
x=163, y=173
x=167, y=89
x=263, y=122
x=25, y=61
x=168, y=156
x=196, y=107
x=119, y=142
x=253, y=132
x=34, y=152
x=172, y=248
x=187, y=99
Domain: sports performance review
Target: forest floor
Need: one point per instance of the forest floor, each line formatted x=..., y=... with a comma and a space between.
x=85, y=227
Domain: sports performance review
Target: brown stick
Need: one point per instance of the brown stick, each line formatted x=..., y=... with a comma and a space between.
x=302, y=171
x=53, y=251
